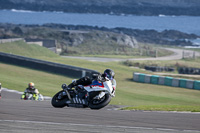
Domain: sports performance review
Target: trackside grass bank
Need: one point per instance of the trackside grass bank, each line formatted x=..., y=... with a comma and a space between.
x=21, y=48
x=138, y=96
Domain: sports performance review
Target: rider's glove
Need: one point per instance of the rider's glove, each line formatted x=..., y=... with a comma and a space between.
x=104, y=75
x=107, y=79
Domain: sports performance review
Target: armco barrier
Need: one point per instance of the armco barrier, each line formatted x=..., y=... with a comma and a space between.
x=62, y=69
x=168, y=81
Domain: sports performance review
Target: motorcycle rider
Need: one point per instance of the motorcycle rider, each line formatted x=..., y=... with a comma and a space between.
x=32, y=90
x=108, y=73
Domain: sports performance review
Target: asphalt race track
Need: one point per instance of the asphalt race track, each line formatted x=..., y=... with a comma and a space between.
x=19, y=116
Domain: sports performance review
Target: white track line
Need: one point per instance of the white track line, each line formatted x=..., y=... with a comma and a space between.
x=91, y=125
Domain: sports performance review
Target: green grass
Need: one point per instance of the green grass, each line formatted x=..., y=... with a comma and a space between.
x=112, y=50
x=165, y=108
x=173, y=63
x=21, y=48
x=137, y=95
x=17, y=78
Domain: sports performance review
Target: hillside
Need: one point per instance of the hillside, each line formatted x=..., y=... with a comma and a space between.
x=81, y=39
x=73, y=41
x=118, y=7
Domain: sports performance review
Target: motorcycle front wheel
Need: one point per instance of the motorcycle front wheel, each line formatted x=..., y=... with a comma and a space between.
x=55, y=102
x=100, y=103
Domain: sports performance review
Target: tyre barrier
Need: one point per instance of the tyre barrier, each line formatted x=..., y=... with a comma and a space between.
x=159, y=69
x=167, y=81
x=188, y=70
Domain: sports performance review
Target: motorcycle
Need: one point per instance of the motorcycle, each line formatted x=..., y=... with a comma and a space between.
x=95, y=96
x=32, y=96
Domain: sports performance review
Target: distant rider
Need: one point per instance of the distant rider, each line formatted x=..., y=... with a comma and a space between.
x=31, y=90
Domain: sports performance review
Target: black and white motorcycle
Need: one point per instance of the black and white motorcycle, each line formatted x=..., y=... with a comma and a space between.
x=95, y=96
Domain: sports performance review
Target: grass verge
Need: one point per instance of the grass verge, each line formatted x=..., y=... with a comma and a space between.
x=177, y=108
x=24, y=49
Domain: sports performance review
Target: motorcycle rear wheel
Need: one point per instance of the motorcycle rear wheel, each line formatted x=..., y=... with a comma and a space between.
x=98, y=104
x=58, y=103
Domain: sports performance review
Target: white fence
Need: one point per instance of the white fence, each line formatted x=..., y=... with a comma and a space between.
x=10, y=40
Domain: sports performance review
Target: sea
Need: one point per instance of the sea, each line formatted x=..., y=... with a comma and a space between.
x=187, y=24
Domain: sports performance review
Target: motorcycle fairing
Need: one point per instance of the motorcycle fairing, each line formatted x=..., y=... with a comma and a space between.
x=97, y=83
x=100, y=86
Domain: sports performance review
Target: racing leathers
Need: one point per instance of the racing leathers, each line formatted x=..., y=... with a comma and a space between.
x=87, y=81
x=33, y=91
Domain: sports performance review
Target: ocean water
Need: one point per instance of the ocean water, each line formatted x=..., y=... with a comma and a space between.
x=187, y=24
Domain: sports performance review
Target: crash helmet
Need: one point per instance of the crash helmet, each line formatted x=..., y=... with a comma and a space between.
x=31, y=85
x=109, y=73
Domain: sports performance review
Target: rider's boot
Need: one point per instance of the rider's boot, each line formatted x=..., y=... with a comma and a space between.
x=70, y=86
